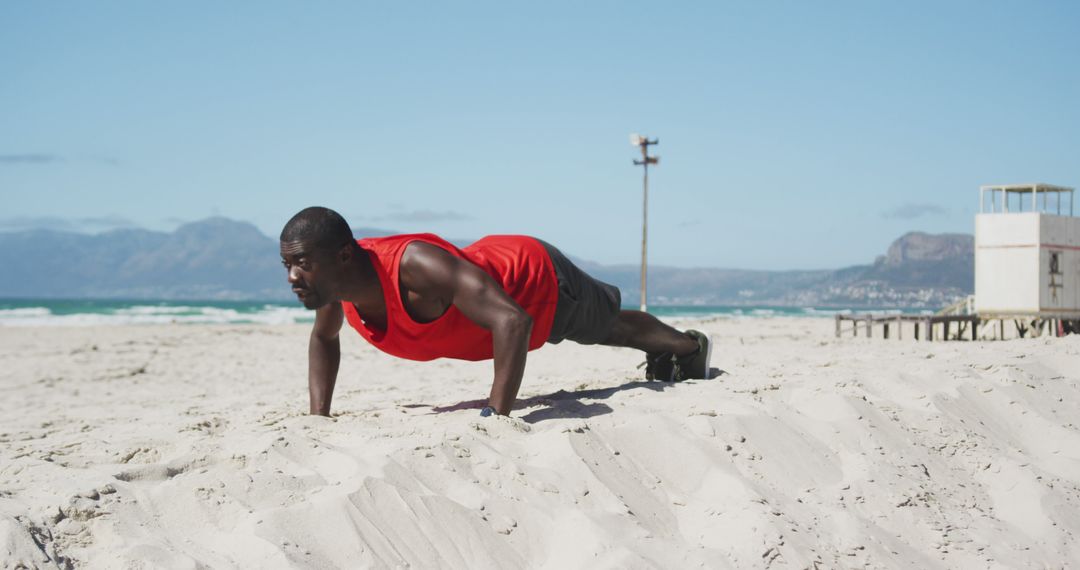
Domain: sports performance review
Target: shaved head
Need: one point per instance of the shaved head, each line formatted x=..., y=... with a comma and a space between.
x=320, y=227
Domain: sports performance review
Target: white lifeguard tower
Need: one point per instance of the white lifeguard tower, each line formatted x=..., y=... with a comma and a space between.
x=1027, y=270
x=1027, y=253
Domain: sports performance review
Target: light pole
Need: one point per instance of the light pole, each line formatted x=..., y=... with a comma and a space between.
x=644, y=142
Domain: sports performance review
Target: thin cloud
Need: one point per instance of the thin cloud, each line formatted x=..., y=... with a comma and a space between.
x=913, y=211
x=23, y=223
x=45, y=158
x=80, y=225
x=107, y=160
x=30, y=158
x=424, y=216
x=105, y=223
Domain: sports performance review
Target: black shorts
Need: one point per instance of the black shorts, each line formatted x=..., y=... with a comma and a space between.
x=587, y=308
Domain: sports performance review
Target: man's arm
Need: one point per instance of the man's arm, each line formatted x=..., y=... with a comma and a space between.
x=324, y=356
x=434, y=272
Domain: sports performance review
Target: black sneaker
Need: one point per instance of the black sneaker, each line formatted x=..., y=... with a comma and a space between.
x=660, y=366
x=696, y=364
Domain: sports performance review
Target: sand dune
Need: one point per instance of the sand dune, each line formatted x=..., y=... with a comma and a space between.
x=187, y=447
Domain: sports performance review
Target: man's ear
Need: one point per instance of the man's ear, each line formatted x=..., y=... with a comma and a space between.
x=345, y=253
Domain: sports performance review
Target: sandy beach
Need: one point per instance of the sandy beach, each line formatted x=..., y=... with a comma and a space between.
x=180, y=446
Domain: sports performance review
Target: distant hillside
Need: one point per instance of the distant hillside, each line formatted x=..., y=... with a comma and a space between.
x=212, y=259
x=925, y=260
x=220, y=258
x=918, y=270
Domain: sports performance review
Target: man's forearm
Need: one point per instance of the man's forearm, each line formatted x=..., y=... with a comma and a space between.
x=324, y=356
x=511, y=345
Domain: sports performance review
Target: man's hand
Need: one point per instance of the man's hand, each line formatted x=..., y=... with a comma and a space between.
x=434, y=272
x=324, y=356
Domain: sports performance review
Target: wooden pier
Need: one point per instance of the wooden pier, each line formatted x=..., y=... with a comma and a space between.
x=959, y=327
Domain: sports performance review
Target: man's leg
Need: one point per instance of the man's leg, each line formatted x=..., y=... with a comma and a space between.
x=640, y=330
x=588, y=312
x=669, y=354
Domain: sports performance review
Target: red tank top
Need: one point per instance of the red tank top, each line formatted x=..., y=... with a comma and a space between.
x=519, y=263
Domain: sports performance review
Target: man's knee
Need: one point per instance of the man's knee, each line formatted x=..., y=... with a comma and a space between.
x=620, y=332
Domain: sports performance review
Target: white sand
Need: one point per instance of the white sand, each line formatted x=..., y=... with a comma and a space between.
x=188, y=447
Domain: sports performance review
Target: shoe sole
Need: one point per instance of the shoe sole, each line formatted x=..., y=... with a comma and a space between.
x=707, y=373
x=708, y=358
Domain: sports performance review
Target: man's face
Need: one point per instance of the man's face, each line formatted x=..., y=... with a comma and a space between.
x=310, y=272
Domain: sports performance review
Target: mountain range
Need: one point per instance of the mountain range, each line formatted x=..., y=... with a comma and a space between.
x=223, y=259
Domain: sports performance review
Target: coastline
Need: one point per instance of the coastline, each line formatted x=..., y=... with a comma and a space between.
x=186, y=445
x=111, y=312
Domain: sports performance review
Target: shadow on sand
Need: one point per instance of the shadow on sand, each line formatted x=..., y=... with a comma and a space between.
x=563, y=404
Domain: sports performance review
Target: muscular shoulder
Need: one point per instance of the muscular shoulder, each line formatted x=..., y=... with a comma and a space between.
x=425, y=266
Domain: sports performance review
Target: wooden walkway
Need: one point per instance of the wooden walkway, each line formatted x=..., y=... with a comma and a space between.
x=958, y=327
x=926, y=324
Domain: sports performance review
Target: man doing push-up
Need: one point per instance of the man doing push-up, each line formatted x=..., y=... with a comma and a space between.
x=419, y=297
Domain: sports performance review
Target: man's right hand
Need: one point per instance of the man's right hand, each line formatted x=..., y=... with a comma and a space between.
x=324, y=356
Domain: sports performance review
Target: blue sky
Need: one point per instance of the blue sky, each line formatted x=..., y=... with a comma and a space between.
x=792, y=134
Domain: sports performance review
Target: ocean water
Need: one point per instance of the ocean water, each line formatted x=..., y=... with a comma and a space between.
x=89, y=312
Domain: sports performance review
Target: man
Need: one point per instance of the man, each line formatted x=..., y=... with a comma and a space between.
x=419, y=297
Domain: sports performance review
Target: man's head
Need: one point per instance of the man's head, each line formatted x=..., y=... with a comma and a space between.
x=315, y=245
